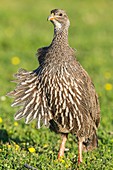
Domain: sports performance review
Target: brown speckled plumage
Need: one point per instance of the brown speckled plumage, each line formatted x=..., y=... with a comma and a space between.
x=59, y=92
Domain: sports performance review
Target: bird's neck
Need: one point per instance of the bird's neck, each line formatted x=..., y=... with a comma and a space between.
x=60, y=37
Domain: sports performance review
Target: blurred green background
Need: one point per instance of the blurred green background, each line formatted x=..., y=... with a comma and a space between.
x=24, y=29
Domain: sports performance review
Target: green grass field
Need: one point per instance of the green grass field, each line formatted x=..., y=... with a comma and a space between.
x=23, y=29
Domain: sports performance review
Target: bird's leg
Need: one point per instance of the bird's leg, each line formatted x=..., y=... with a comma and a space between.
x=62, y=146
x=79, y=152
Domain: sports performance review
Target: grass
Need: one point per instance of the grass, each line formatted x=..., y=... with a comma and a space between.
x=23, y=29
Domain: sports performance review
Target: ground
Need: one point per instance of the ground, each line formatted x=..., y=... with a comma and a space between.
x=23, y=29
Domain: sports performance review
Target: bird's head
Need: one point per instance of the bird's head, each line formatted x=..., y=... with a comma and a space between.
x=59, y=18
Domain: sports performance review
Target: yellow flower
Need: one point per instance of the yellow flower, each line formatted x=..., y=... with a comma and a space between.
x=107, y=75
x=0, y=150
x=31, y=150
x=15, y=60
x=62, y=160
x=9, y=146
x=16, y=147
x=45, y=146
x=1, y=120
x=15, y=123
x=3, y=98
x=108, y=86
x=66, y=166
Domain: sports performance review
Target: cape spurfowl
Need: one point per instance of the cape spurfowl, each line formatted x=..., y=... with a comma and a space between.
x=59, y=92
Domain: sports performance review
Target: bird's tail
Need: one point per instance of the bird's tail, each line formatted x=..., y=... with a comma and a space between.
x=91, y=143
x=27, y=94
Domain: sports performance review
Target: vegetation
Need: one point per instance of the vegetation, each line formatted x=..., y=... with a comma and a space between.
x=23, y=29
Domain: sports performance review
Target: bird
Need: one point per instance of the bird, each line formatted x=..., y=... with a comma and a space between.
x=59, y=93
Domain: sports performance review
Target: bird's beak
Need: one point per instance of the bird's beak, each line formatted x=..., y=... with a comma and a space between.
x=51, y=17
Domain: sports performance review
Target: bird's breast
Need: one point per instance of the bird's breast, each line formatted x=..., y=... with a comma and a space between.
x=65, y=97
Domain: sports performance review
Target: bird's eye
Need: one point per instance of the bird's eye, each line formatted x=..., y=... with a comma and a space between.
x=60, y=14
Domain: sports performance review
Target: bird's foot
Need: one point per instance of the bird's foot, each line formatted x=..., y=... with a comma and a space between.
x=79, y=160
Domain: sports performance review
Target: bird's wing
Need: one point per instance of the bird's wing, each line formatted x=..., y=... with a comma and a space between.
x=95, y=113
x=41, y=54
x=89, y=94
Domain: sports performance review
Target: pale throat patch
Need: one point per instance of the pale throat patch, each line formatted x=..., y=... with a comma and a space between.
x=57, y=24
